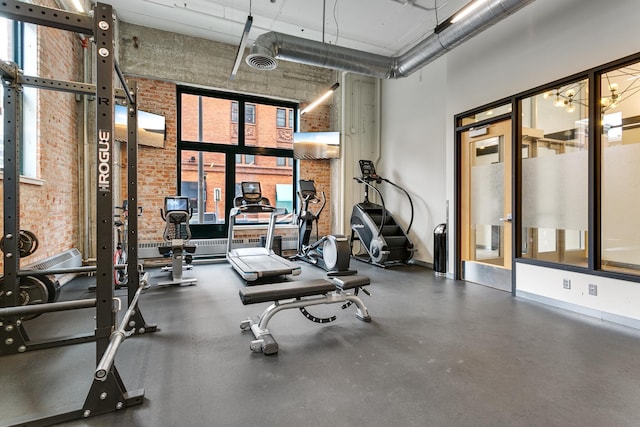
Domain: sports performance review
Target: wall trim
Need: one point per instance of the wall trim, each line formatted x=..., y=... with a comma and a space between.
x=597, y=314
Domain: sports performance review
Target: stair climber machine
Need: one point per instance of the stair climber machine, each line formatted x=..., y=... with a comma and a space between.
x=383, y=238
x=332, y=252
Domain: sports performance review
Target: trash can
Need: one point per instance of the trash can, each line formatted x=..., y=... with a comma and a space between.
x=440, y=249
x=276, y=246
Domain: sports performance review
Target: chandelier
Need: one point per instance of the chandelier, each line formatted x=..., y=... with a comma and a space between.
x=567, y=96
x=622, y=83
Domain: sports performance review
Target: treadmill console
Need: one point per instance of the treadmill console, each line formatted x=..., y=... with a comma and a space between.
x=368, y=171
x=251, y=192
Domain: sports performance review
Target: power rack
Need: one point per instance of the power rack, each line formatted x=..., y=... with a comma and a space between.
x=108, y=392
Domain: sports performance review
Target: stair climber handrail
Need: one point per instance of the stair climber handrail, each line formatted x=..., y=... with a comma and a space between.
x=410, y=202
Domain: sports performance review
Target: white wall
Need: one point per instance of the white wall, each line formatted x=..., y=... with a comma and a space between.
x=413, y=151
x=545, y=41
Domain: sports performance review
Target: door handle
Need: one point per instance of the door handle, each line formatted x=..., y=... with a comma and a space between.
x=508, y=218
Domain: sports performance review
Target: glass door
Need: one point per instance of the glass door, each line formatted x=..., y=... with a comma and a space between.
x=486, y=217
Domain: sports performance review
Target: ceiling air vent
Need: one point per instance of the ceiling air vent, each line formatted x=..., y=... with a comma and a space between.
x=261, y=62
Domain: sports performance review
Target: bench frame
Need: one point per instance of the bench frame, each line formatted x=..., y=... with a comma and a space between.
x=264, y=341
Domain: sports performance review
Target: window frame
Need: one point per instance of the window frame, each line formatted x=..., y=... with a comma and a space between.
x=231, y=151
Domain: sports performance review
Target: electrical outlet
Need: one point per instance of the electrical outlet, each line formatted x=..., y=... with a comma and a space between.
x=593, y=289
x=566, y=283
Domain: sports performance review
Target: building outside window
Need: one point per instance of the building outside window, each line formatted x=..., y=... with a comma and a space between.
x=281, y=117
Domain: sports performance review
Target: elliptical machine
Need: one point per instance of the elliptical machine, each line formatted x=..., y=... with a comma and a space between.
x=332, y=252
x=383, y=238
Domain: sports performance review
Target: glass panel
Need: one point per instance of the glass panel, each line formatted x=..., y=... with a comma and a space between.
x=487, y=114
x=487, y=198
x=265, y=131
x=620, y=175
x=275, y=184
x=207, y=119
x=202, y=180
x=554, y=175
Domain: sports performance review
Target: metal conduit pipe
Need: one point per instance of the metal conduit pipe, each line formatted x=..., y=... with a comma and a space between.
x=119, y=335
x=271, y=46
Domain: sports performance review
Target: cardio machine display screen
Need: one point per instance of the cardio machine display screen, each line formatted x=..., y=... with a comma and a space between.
x=307, y=187
x=176, y=204
x=251, y=191
x=367, y=168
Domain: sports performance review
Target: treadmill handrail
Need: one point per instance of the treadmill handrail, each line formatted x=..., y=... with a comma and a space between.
x=275, y=212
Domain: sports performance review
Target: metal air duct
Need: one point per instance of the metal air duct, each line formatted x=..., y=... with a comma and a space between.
x=272, y=46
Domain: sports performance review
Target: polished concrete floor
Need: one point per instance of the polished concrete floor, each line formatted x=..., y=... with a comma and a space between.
x=437, y=353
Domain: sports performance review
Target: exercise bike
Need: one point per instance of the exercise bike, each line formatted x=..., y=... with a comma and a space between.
x=332, y=252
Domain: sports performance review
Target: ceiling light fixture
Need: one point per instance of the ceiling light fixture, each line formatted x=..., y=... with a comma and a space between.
x=465, y=11
x=241, y=46
x=243, y=43
x=77, y=6
x=315, y=103
x=568, y=97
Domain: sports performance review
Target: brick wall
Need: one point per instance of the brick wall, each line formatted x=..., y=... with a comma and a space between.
x=157, y=172
x=318, y=120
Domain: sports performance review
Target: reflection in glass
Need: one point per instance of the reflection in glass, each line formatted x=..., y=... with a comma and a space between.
x=620, y=177
x=487, y=114
x=554, y=175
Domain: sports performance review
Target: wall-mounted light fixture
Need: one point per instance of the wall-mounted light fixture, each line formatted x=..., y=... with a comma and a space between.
x=465, y=11
x=241, y=46
x=315, y=103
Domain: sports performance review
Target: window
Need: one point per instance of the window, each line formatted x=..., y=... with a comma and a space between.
x=281, y=117
x=555, y=154
x=218, y=151
x=250, y=114
x=620, y=177
x=234, y=112
x=6, y=53
x=13, y=33
x=247, y=159
x=284, y=161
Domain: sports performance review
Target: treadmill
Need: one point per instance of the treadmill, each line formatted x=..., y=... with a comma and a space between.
x=256, y=263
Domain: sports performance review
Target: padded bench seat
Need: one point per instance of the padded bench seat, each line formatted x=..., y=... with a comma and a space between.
x=299, y=289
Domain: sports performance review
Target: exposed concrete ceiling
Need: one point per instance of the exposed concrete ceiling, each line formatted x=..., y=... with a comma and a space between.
x=384, y=27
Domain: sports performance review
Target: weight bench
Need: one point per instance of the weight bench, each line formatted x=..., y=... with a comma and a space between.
x=300, y=294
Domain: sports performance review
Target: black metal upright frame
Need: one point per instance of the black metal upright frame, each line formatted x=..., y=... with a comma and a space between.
x=107, y=392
